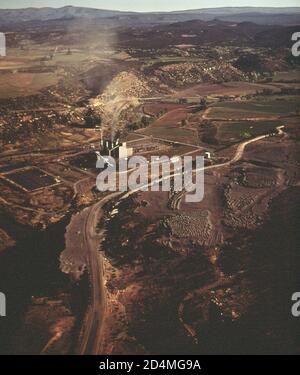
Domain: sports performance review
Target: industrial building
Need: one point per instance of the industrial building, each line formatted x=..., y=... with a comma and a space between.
x=115, y=149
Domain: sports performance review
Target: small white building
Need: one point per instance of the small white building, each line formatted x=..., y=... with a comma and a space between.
x=124, y=151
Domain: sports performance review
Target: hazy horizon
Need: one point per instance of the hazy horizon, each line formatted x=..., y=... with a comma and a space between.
x=146, y=5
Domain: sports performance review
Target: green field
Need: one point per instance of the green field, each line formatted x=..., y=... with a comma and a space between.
x=151, y=63
x=25, y=58
x=75, y=57
x=292, y=76
x=237, y=131
x=262, y=107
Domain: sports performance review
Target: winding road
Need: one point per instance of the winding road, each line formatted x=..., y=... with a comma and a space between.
x=93, y=323
x=91, y=334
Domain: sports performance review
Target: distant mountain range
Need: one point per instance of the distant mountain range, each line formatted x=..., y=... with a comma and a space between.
x=260, y=15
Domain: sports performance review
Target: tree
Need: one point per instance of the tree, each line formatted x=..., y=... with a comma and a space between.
x=184, y=122
x=92, y=119
x=145, y=121
x=203, y=104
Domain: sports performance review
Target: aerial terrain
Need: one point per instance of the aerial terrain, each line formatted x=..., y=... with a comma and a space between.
x=91, y=272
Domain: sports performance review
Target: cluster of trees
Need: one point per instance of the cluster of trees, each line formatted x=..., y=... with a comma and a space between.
x=18, y=130
x=143, y=123
x=209, y=136
x=92, y=119
x=289, y=91
x=161, y=113
x=209, y=133
x=266, y=92
x=202, y=103
x=293, y=60
x=250, y=63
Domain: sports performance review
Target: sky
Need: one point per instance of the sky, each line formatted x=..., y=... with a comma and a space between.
x=147, y=5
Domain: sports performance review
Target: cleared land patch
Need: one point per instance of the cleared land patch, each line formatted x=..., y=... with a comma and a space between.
x=31, y=178
x=23, y=84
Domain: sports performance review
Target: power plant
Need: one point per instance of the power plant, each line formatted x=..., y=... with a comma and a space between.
x=115, y=149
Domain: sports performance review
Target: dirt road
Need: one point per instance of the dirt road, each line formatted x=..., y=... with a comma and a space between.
x=93, y=324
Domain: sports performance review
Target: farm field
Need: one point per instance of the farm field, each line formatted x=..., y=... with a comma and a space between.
x=25, y=84
x=226, y=88
x=169, y=126
x=31, y=178
x=151, y=63
x=262, y=107
x=291, y=76
x=153, y=109
x=237, y=131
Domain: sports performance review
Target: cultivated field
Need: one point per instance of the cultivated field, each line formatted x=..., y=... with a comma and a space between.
x=24, y=84
x=262, y=107
x=232, y=131
x=223, y=89
x=31, y=178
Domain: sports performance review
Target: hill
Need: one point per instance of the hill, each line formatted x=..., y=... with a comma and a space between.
x=284, y=16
